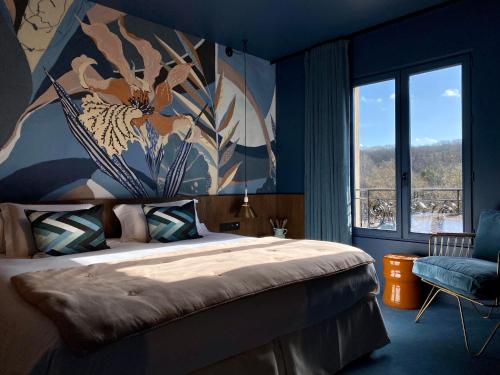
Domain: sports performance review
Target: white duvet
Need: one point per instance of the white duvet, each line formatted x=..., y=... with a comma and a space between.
x=25, y=334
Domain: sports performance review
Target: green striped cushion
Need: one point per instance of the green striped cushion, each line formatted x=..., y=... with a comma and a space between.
x=170, y=224
x=68, y=232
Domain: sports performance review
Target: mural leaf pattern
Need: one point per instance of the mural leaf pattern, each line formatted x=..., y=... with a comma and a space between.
x=227, y=154
x=228, y=176
x=188, y=46
x=160, y=110
x=111, y=47
x=176, y=172
x=150, y=57
x=114, y=166
x=228, y=115
x=229, y=135
x=218, y=90
x=110, y=124
x=154, y=150
x=180, y=61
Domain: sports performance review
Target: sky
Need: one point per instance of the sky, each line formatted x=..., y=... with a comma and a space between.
x=435, y=109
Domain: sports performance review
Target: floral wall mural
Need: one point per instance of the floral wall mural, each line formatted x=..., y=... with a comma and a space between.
x=121, y=107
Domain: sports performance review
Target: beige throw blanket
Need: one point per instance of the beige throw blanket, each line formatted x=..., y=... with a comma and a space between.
x=99, y=304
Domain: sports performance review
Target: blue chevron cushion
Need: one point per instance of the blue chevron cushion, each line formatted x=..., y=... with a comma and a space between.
x=68, y=232
x=170, y=224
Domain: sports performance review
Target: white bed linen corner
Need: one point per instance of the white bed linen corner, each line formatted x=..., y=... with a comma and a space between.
x=21, y=325
x=17, y=237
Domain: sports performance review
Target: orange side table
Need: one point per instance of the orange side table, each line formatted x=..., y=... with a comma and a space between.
x=402, y=287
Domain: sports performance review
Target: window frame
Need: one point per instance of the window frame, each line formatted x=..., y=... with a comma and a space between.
x=401, y=76
x=379, y=233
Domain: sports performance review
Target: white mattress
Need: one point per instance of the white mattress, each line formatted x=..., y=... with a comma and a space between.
x=21, y=325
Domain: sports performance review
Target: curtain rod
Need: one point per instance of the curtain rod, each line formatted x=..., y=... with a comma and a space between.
x=369, y=29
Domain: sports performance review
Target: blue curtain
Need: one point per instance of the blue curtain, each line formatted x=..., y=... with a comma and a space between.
x=327, y=141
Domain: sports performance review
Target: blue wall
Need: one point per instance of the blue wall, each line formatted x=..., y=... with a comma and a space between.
x=464, y=27
x=290, y=88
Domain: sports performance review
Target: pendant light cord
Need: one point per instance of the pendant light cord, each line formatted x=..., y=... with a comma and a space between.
x=245, y=43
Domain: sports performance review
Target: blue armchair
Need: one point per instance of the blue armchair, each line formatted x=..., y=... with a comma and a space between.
x=467, y=267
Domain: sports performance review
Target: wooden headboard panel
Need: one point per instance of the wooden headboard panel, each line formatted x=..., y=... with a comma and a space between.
x=216, y=209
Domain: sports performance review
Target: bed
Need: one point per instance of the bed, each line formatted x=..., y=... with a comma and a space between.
x=313, y=326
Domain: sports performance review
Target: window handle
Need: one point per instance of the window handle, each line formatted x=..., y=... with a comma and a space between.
x=404, y=177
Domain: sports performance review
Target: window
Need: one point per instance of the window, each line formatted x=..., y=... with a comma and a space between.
x=436, y=151
x=409, y=152
x=374, y=140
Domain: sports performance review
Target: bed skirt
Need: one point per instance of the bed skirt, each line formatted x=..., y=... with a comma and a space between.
x=324, y=348
x=320, y=349
x=315, y=327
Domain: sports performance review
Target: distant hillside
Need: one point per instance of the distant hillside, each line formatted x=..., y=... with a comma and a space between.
x=437, y=166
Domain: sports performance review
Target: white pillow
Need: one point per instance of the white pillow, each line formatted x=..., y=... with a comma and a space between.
x=18, y=238
x=133, y=220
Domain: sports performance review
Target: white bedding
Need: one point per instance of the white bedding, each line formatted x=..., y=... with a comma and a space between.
x=21, y=325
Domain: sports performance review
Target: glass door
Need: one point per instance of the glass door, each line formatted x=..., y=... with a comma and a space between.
x=435, y=150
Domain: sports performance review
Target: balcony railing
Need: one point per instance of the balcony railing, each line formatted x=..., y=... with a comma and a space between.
x=432, y=209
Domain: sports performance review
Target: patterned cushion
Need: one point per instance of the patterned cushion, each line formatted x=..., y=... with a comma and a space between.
x=170, y=224
x=68, y=232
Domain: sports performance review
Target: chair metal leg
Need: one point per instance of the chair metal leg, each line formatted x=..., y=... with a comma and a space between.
x=464, y=329
x=430, y=297
x=481, y=314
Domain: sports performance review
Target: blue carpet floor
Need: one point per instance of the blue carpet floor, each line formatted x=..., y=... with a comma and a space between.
x=433, y=346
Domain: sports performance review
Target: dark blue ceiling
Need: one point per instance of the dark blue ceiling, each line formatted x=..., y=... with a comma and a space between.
x=274, y=28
